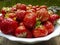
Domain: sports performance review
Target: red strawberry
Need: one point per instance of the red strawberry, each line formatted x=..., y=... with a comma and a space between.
x=53, y=18
x=20, y=14
x=8, y=26
x=1, y=19
x=3, y=11
x=13, y=9
x=21, y=31
x=30, y=20
x=29, y=34
x=21, y=24
x=34, y=7
x=43, y=14
x=49, y=26
x=18, y=5
x=37, y=9
x=40, y=31
x=21, y=6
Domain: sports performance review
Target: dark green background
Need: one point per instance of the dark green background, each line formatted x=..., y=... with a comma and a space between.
x=33, y=2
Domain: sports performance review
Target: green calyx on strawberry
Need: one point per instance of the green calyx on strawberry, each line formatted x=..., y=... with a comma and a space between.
x=38, y=22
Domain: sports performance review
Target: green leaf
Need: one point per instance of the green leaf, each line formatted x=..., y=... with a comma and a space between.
x=38, y=23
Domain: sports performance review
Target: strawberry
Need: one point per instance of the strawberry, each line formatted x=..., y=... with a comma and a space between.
x=20, y=14
x=13, y=9
x=53, y=18
x=18, y=5
x=3, y=11
x=29, y=34
x=21, y=6
x=49, y=26
x=21, y=23
x=43, y=14
x=21, y=31
x=30, y=20
x=8, y=26
x=34, y=7
x=40, y=31
x=1, y=19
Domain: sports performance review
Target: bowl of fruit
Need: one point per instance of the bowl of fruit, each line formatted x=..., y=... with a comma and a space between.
x=28, y=23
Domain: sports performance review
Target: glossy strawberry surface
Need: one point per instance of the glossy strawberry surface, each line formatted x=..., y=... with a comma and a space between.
x=20, y=14
x=8, y=26
x=40, y=31
x=43, y=14
x=30, y=20
x=49, y=26
x=53, y=18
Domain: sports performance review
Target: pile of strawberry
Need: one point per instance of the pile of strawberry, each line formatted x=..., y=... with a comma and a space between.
x=27, y=21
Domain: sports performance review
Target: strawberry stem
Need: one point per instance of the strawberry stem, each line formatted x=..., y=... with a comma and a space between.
x=38, y=22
